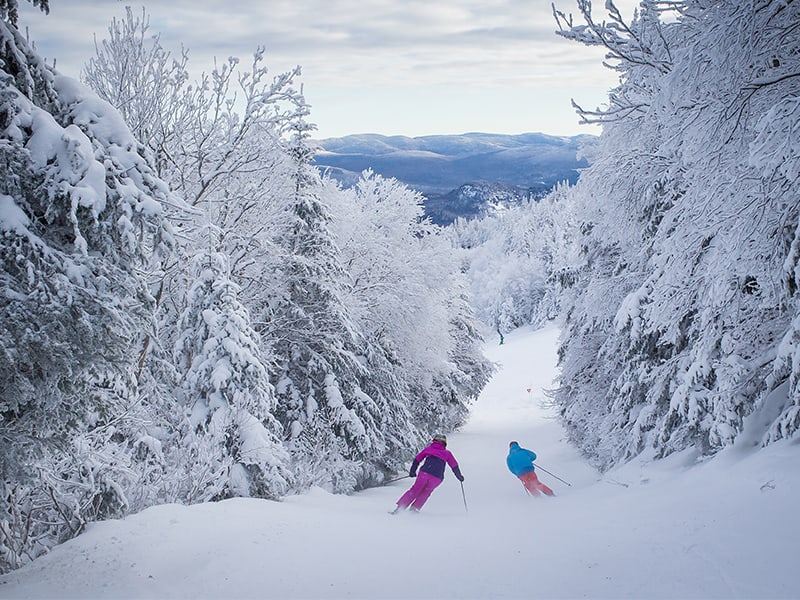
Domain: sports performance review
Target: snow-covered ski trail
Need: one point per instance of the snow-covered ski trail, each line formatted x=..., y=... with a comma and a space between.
x=724, y=529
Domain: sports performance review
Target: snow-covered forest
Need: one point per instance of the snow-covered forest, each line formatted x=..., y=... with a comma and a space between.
x=192, y=313
x=189, y=312
x=674, y=262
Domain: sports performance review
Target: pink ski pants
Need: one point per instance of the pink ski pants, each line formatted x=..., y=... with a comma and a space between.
x=533, y=485
x=419, y=493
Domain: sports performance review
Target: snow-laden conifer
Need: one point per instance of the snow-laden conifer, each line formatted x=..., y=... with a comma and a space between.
x=9, y=9
x=329, y=421
x=230, y=441
x=81, y=221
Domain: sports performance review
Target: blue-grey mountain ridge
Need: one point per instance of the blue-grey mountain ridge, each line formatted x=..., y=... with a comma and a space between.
x=469, y=175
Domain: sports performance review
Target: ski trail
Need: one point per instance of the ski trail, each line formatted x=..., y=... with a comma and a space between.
x=671, y=528
x=514, y=406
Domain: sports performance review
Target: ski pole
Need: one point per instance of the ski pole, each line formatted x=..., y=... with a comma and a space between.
x=556, y=476
x=463, y=495
x=397, y=479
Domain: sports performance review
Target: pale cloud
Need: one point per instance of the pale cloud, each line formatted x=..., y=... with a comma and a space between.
x=452, y=54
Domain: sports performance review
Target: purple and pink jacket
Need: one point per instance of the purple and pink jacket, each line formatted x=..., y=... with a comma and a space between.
x=436, y=456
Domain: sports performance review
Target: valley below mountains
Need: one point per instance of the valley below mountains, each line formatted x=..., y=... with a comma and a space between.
x=469, y=176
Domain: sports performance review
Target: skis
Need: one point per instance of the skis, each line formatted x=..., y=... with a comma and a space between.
x=397, y=510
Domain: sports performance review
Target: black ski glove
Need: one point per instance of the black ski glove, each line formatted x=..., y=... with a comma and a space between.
x=413, y=471
x=457, y=473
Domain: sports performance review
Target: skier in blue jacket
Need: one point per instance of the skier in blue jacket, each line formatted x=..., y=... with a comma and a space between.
x=520, y=463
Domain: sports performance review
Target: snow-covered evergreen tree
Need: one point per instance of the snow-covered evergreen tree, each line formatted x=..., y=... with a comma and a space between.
x=441, y=401
x=9, y=9
x=330, y=422
x=80, y=219
x=231, y=443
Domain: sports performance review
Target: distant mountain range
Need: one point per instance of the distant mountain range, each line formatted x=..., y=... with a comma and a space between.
x=467, y=175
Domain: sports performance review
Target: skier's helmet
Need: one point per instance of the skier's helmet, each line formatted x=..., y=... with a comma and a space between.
x=512, y=444
x=440, y=438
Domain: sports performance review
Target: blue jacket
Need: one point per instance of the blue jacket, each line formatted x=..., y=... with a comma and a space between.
x=520, y=460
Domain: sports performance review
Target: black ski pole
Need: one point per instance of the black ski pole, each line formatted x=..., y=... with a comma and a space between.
x=463, y=495
x=397, y=479
x=556, y=476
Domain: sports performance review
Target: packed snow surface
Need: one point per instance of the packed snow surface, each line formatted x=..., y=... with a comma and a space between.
x=675, y=528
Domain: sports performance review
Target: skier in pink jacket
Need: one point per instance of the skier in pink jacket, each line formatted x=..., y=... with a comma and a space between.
x=431, y=474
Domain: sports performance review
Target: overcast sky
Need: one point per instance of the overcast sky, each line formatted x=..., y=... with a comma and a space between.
x=395, y=67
